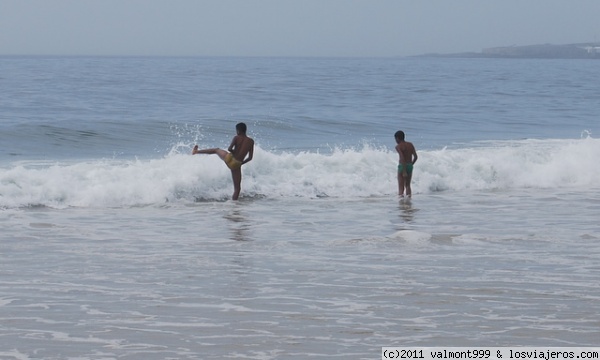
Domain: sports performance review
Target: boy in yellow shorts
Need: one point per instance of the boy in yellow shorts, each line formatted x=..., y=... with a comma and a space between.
x=240, y=151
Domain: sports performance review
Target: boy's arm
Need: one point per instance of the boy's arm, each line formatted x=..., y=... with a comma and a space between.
x=414, y=155
x=250, y=155
x=232, y=145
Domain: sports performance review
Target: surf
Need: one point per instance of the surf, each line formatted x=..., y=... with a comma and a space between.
x=362, y=172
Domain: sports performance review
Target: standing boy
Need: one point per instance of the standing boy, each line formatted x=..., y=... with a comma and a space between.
x=408, y=157
x=240, y=151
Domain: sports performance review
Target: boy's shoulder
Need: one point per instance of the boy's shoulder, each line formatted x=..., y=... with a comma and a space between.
x=243, y=138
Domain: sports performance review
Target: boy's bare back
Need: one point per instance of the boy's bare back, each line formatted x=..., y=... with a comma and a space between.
x=241, y=146
x=406, y=151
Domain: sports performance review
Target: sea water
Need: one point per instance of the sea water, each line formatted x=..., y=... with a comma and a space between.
x=116, y=243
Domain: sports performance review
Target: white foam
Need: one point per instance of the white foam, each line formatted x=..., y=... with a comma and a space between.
x=350, y=173
x=14, y=354
x=511, y=165
x=412, y=236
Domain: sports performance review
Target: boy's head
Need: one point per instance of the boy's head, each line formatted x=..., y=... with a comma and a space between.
x=399, y=135
x=241, y=128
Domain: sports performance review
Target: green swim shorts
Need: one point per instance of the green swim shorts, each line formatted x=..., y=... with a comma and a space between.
x=409, y=168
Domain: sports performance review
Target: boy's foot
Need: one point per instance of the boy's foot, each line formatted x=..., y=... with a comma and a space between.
x=195, y=150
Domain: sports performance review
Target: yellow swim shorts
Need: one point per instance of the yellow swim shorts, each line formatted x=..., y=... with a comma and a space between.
x=232, y=162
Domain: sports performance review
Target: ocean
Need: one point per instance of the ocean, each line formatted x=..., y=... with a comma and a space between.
x=116, y=243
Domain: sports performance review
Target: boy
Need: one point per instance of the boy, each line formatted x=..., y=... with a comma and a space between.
x=240, y=151
x=408, y=157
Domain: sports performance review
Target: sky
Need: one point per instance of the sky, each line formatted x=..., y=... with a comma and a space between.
x=324, y=28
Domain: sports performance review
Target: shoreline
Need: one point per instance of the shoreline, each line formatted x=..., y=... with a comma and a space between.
x=543, y=51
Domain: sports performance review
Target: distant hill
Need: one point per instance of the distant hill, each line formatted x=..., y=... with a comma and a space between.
x=546, y=51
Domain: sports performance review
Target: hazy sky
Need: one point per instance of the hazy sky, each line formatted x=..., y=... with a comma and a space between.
x=289, y=27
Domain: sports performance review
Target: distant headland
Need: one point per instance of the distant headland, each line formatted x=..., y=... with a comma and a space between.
x=545, y=51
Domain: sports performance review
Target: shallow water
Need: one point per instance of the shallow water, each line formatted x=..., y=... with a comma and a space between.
x=265, y=279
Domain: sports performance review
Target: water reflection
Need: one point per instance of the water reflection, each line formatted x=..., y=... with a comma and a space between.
x=239, y=224
x=406, y=209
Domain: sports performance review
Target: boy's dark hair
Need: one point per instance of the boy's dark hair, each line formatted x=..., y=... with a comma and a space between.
x=241, y=127
x=399, y=135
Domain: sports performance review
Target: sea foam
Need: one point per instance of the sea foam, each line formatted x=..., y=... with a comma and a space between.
x=343, y=173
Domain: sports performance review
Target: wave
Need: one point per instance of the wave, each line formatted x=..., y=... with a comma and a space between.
x=343, y=173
